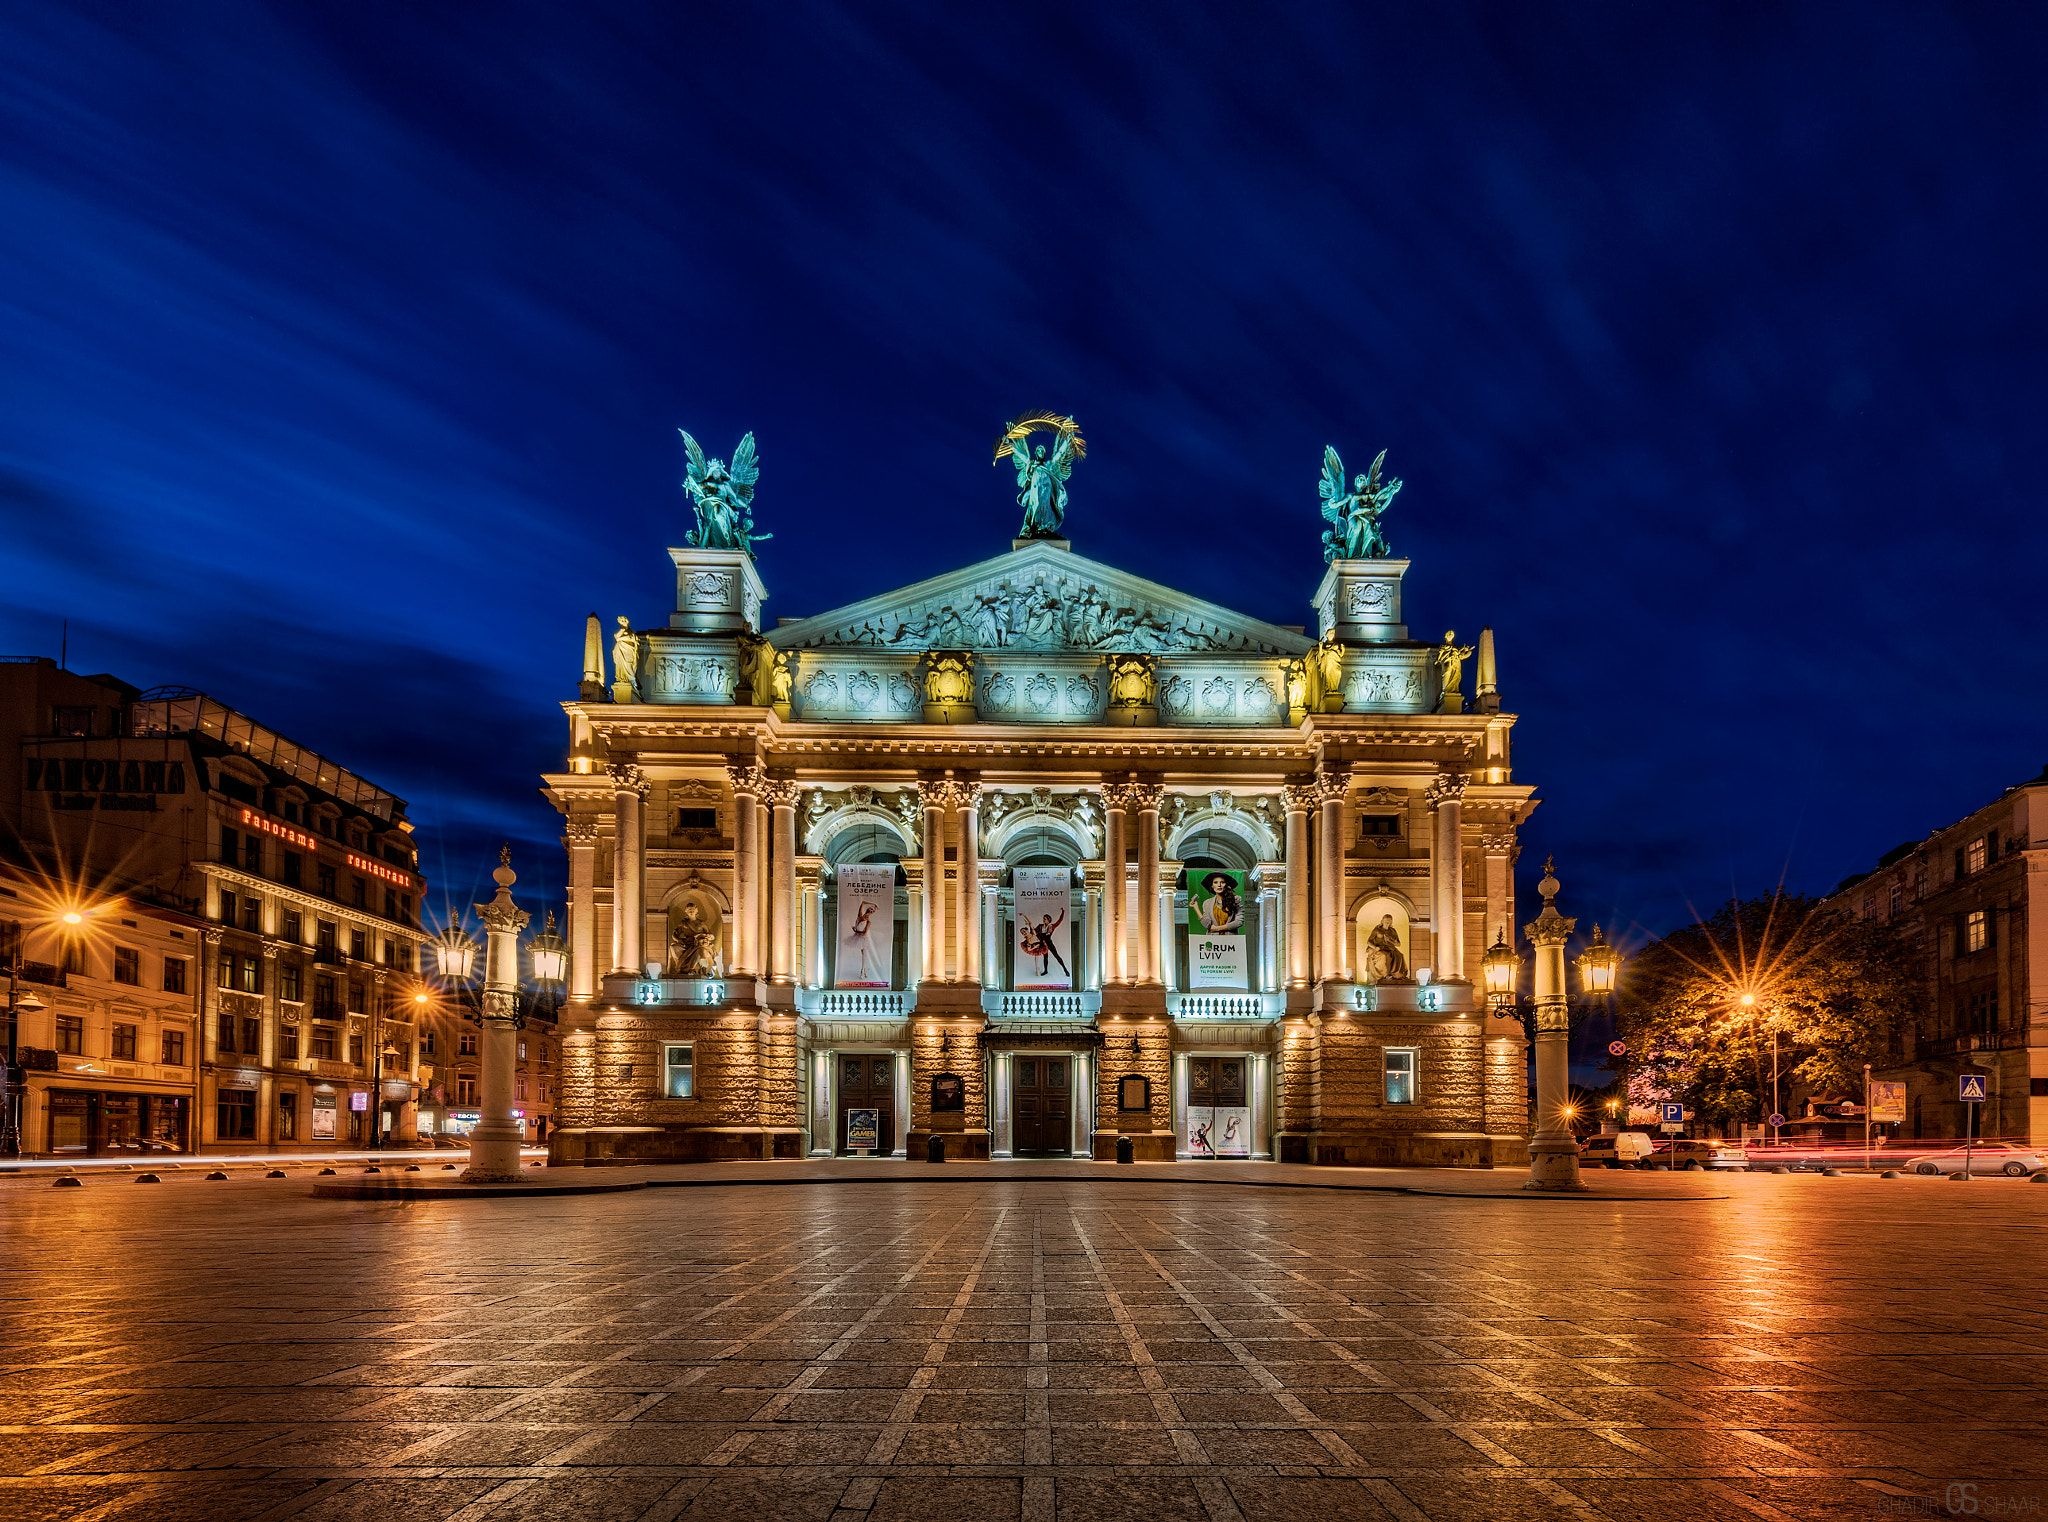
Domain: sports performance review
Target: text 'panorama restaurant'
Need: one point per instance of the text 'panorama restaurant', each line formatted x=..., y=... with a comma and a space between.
x=1037, y=857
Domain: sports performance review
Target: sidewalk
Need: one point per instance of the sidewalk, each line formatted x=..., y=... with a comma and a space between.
x=1446, y=1183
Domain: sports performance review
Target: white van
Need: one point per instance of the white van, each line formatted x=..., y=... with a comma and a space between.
x=1623, y=1149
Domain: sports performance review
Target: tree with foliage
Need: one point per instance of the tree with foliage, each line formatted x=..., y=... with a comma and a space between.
x=1699, y=1007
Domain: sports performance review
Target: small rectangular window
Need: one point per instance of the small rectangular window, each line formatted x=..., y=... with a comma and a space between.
x=288, y=1043
x=127, y=965
x=230, y=911
x=1379, y=826
x=465, y=1088
x=323, y=1043
x=294, y=868
x=1400, y=1070
x=174, y=975
x=1976, y=930
x=465, y=1044
x=291, y=982
x=71, y=1035
x=696, y=819
x=355, y=1051
x=678, y=1070
x=1975, y=854
x=224, y=1033
x=252, y=1034
x=124, y=1043
x=174, y=1049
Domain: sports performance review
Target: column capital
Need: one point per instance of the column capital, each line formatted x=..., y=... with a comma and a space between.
x=948, y=793
x=779, y=792
x=1119, y=797
x=579, y=830
x=627, y=778
x=1449, y=787
x=746, y=777
x=1302, y=794
x=210, y=934
x=1145, y=796
x=1333, y=784
x=1498, y=843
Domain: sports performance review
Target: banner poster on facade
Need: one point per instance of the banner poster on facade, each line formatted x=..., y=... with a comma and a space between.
x=1219, y=1131
x=323, y=1116
x=865, y=906
x=1044, y=955
x=1887, y=1102
x=1216, y=938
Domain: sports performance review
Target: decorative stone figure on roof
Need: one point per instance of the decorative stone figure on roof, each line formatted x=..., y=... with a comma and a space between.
x=625, y=663
x=1450, y=659
x=1354, y=515
x=723, y=496
x=1042, y=475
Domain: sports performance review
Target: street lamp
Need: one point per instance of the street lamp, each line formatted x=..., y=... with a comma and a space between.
x=1553, y=1154
x=18, y=1004
x=1503, y=966
x=1599, y=967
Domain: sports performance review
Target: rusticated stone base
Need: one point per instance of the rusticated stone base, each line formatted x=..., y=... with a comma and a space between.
x=962, y=1146
x=601, y=1146
x=1146, y=1146
x=1409, y=1149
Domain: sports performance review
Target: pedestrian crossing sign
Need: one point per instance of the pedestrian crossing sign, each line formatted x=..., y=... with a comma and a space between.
x=1970, y=1088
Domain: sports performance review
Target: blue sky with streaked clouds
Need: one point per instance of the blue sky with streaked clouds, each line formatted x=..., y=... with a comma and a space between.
x=342, y=350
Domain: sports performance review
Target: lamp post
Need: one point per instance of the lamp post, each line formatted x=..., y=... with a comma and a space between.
x=17, y=1006
x=494, y=1143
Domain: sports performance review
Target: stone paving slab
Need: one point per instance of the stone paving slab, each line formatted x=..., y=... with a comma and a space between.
x=1797, y=1347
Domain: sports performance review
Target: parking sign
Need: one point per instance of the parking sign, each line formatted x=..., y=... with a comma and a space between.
x=1671, y=1114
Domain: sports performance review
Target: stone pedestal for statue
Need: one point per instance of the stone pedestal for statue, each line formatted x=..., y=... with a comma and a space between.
x=1360, y=600
x=717, y=592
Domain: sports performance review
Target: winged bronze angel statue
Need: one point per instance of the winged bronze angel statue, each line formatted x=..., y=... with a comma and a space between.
x=723, y=496
x=1042, y=474
x=1354, y=515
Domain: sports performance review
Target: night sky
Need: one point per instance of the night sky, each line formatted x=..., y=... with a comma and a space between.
x=342, y=349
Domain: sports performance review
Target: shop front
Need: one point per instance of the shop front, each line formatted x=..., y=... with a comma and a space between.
x=114, y=1122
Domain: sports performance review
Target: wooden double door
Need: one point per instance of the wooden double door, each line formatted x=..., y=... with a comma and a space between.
x=1042, y=1106
x=867, y=1084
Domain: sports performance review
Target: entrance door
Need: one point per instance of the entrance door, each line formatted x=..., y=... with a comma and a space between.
x=1041, y=1094
x=867, y=1084
x=1219, y=1121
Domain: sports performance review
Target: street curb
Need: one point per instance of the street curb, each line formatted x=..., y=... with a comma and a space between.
x=450, y=1190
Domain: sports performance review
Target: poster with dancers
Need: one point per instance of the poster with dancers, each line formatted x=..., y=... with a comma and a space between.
x=1043, y=927
x=1216, y=938
x=865, y=906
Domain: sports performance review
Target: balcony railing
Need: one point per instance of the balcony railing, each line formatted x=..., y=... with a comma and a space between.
x=1017, y=1004
x=692, y=993
x=1224, y=1006
x=856, y=1003
x=1422, y=998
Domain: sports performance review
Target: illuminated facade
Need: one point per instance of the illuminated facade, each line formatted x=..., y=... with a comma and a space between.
x=298, y=878
x=1025, y=770
x=1973, y=897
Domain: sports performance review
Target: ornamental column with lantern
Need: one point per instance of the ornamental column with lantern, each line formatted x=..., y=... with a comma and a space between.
x=1553, y=1154
x=494, y=1144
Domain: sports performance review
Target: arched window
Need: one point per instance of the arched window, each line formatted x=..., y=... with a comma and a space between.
x=868, y=845
x=1203, y=855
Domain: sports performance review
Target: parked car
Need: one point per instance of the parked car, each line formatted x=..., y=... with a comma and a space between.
x=1687, y=1152
x=1989, y=1157
x=1621, y=1149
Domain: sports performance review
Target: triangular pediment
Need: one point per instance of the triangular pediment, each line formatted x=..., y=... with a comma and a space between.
x=1039, y=597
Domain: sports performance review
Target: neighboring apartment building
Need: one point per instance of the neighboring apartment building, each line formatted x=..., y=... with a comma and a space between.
x=1974, y=896
x=450, y=1043
x=108, y=1040
x=304, y=874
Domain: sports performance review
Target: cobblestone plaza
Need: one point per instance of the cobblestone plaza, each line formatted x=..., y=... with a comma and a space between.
x=1790, y=1347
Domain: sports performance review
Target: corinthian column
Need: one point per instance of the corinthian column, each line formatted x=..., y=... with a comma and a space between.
x=1116, y=800
x=746, y=870
x=1332, y=787
x=1147, y=795
x=629, y=796
x=967, y=901
x=931, y=796
x=1301, y=797
x=580, y=836
x=780, y=796
x=1446, y=796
